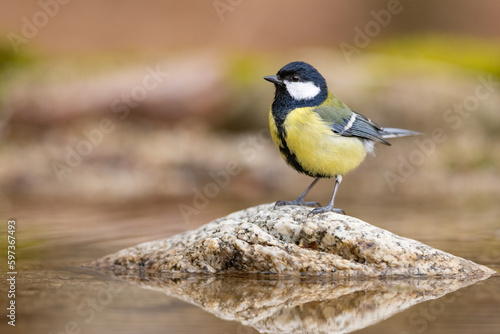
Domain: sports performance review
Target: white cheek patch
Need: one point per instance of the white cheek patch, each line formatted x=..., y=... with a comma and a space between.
x=302, y=90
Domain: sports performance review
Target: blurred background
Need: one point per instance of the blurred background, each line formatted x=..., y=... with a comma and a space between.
x=122, y=121
x=179, y=88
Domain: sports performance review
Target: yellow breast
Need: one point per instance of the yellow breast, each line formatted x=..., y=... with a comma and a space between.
x=318, y=150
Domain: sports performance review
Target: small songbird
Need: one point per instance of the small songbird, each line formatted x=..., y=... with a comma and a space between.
x=316, y=133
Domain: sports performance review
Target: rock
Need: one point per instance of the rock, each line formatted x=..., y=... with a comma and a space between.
x=303, y=304
x=286, y=241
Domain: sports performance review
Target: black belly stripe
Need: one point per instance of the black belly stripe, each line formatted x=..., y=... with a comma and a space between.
x=291, y=158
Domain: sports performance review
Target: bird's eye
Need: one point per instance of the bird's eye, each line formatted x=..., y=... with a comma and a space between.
x=295, y=78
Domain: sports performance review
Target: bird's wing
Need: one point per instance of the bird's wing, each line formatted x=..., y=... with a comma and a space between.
x=348, y=123
x=360, y=126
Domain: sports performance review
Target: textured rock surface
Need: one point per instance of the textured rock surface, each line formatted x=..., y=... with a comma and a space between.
x=285, y=240
x=303, y=305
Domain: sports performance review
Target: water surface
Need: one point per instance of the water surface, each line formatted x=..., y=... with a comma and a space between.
x=55, y=294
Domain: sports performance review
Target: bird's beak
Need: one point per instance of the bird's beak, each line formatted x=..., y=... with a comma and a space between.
x=274, y=79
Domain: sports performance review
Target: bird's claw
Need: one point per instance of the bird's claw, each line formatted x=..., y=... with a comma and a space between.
x=325, y=209
x=296, y=202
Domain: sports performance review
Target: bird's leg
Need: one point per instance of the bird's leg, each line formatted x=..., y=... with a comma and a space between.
x=300, y=199
x=329, y=207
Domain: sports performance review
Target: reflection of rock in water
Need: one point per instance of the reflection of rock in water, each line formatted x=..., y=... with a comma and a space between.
x=288, y=241
x=295, y=305
x=296, y=248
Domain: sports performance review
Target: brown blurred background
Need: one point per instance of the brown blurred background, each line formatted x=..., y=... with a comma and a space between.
x=127, y=121
x=117, y=101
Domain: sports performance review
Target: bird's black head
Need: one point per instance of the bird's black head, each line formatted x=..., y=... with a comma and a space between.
x=298, y=84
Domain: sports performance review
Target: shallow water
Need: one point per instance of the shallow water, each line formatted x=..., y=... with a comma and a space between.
x=55, y=294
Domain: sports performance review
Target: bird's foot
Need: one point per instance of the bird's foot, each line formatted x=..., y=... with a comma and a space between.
x=298, y=201
x=324, y=209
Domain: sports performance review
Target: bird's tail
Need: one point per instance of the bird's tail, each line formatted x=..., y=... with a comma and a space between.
x=393, y=133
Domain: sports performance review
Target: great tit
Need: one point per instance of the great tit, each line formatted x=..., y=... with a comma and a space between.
x=316, y=133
